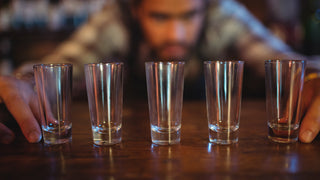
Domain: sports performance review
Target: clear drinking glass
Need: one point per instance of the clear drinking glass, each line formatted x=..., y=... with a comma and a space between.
x=104, y=83
x=284, y=83
x=54, y=87
x=165, y=94
x=223, y=81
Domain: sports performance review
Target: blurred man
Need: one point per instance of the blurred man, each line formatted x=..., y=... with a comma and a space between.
x=140, y=30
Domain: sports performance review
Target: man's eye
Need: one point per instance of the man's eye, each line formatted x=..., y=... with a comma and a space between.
x=188, y=16
x=159, y=17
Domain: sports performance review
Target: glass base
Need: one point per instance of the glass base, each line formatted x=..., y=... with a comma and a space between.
x=103, y=138
x=165, y=137
x=223, y=138
x=283, y=140
x=281, y=134
x=56, y=137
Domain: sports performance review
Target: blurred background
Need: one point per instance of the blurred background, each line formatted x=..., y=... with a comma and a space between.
x=31, y=29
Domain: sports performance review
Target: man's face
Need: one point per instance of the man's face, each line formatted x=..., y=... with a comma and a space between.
x=171, y=27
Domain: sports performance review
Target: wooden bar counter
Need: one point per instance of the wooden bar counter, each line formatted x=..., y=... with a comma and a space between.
x=137, y=158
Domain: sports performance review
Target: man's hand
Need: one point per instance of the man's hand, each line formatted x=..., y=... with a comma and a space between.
x=21, y=101
x=310, y=125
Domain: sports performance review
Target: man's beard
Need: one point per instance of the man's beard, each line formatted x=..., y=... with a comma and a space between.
x=157, y=53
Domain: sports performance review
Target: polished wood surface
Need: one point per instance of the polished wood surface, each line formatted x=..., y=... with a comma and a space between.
x=137, y=158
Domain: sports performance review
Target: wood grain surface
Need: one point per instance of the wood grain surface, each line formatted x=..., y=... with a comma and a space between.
x=137, y=158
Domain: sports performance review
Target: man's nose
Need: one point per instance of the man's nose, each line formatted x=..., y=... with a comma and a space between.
x=176, y=31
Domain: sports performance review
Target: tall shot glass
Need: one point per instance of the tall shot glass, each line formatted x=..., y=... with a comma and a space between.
x=54, y=88
x=223, y=81
x=104, y=83
x=284, y=83
x=165, y=96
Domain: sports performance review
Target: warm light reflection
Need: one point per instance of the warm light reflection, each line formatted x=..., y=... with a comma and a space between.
x=224, y=154
x=57, y=155
x=103, y=153
x=166, y=160
x=291, y=159
x=284, y=158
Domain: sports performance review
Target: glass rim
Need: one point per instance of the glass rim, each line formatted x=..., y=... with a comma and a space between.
x=53, y=65
x=223, y=61
x=103, y=63
x=164, y=62
x=269, y=61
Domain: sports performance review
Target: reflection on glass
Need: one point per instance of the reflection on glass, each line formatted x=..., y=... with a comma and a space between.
x=284, y=83
x=223, y=81
x=165, y=96
x=104, y=82
x=54, y=89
